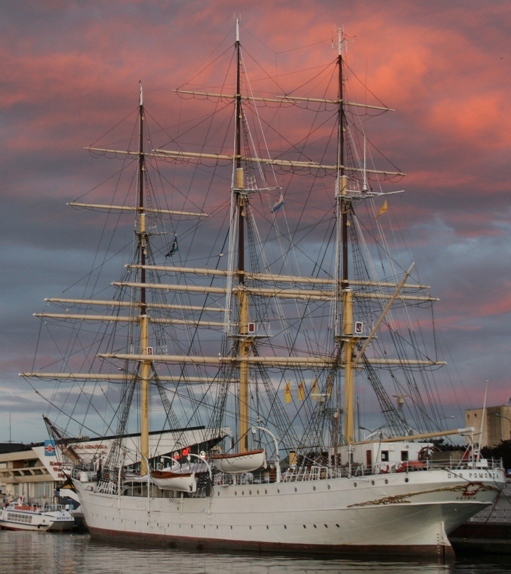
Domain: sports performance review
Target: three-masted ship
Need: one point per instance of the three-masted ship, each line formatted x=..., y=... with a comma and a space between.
x=258, y=446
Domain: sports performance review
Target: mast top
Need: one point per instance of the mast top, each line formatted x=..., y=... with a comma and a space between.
x=141, y=99
x=237, y=29
x=341, y=40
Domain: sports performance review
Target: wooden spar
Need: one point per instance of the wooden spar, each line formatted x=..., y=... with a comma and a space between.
x=282, y=99
x=308, y=294
x=382, y=316
x=289, y=362
x=70, y=376
x=131, y=209
x=130, y=304
x=420, y=436
x=129, y=319
x=172, y=154
x=274, y=277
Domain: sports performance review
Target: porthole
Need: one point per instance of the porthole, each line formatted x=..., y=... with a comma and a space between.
x=372, y=482
x=406, y=479
x=304, y=526
x=386, y=481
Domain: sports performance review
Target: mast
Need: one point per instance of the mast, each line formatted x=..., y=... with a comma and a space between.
x=343, y=207
x=145, y=365
x=243, y=343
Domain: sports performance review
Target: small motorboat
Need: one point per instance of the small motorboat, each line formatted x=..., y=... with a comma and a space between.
x=47, y=518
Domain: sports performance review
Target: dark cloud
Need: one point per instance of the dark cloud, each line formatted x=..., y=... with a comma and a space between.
x=71, y=71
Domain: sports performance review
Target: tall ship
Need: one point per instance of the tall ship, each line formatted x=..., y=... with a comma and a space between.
x=259, y=323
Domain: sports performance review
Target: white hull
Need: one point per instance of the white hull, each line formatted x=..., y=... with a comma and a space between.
x=400, y=513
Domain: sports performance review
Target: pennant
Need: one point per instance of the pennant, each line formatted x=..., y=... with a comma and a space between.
x=287, y=393
x=278, y=204
x=314, y=392
x=383, y=208
x=301, y=391
x=173, y=248
x=329, y=385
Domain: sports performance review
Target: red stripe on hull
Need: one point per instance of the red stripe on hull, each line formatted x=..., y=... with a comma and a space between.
x=438, y=552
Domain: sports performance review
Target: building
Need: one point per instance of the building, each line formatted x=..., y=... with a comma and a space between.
x=36, y=472
x=492, y=425
x=24, y=475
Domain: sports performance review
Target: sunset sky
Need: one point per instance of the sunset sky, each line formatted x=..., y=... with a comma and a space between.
x=70, y=71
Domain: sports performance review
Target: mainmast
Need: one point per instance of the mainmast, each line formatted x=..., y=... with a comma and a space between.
x=143, y=320
x=243, y=342
x=343, y=208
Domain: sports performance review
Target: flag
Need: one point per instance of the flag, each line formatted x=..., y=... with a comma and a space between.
x=383, y=208
x=173, y=248
x=278, y=204
x=301, y=391
x=287, y=393
x=314, y=392
x=49, y=448
x=330, y=385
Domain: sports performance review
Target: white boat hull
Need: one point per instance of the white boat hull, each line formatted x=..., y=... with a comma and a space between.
x=12, y=518
x=185, y=483
x=400, y=513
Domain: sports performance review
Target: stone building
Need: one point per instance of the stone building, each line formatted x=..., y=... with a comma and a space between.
x=492, y=424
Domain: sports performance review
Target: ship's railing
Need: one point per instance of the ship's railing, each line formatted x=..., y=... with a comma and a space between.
x=450, y=463
x=35, y=506
x=317, y=472
x=314, y=472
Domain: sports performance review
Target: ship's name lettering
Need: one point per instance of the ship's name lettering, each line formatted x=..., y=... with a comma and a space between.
x=473, y=475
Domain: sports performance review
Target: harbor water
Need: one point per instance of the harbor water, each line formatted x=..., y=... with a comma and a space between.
x=25, y=552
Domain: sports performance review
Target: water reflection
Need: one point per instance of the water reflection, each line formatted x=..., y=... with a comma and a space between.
x=22, y=552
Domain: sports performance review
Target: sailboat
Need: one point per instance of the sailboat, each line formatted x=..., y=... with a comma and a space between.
x=264, y=351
